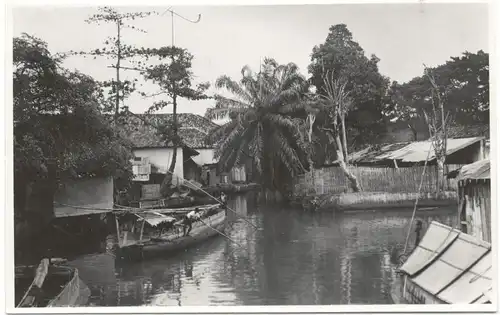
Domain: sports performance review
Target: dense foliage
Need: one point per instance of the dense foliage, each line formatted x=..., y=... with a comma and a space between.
x=341, y=55
x=463, y=82
x=60, y=130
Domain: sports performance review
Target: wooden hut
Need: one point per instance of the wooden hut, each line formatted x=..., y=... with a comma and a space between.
x=474, y=191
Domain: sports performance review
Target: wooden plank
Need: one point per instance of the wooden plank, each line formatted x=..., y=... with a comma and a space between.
x=118, y=230
x=142, y=230
x=41, y=273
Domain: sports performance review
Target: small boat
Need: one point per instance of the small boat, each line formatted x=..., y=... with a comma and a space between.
x=145, y=233
x=49, y=285
x=447, y=267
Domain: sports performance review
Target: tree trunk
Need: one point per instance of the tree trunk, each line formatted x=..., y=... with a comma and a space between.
x=343, y=165
x=167, y=181
x=414, y=132
x=311, y=167
x=118, y=60
x=440, y=175
x=344, y=140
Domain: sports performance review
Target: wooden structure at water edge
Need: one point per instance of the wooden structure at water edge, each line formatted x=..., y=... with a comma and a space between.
x=448, y=267
x=474, y=192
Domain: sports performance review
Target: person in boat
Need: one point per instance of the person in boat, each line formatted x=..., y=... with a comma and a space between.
x=191, y=217
x=418, y=229
x=223, y=198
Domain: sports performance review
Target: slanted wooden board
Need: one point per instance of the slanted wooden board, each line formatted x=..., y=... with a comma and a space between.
x=41, y=272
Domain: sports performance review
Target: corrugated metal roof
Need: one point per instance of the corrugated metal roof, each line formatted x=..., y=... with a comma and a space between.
x=435, y=240
x=408, y=152
x=472, y=284
x=489, y=295
x=477, y=170
x=73, y=211
x=450, y=264
x=462, y=271
x=154, y=218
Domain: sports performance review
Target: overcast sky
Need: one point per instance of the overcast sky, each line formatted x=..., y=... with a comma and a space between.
x=403, y=36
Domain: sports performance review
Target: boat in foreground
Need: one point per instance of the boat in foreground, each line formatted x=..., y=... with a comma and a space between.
x=447, y=267
x=49, y=285
x=147, y=233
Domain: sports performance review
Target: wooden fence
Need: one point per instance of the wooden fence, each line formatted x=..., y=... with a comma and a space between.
x=374, y=179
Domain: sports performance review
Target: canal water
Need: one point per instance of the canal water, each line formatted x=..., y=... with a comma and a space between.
x=293, y=258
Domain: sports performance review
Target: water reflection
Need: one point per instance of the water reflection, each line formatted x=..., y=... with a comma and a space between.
x=293, y=258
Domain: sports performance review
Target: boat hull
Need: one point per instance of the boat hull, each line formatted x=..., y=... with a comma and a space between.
x=73, y=293
x=201, y=232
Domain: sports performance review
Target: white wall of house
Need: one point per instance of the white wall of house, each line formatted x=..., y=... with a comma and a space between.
x=89, y=193
x=161, y=157
x=238, y=174
x=487, y=149
x=206, y=156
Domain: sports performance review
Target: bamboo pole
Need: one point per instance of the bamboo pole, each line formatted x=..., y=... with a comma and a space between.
x=142, y=230
x=118, y=231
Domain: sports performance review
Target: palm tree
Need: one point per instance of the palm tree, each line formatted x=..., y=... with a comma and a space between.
x=265, y=111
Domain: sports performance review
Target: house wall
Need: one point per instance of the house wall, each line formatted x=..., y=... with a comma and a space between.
x=475, y=208
x=192, y=171
x=468, y=155
x=161, y=158
x=93, y=192
x=209, y=176
x=486, y=149
x=414, y=294
x=206, y=156
x=238, y=174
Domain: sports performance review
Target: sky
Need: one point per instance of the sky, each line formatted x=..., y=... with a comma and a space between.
x=403, y=36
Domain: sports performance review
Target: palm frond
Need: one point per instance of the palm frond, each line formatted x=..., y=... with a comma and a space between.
x=219, y=133
x=234, y=87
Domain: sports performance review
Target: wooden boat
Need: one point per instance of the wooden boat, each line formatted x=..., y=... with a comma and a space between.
x=49, y=285
x=447, y=267
x=146, y=233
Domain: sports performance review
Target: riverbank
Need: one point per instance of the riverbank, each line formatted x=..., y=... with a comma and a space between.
x=232, y=188
x=377, y=200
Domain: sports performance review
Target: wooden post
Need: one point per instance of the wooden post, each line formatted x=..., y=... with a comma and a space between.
x=118, y=230
x=41, y=272
x=142, y=230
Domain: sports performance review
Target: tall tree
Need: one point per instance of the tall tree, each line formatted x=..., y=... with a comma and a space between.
x=342, y=55
x=263, y=125
x=59, y=129
x=437, y=121
x=464, y=85
x=116, y=49
x=174, y=77
x=336, y=103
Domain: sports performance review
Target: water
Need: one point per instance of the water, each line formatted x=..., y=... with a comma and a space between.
x=294, y=258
